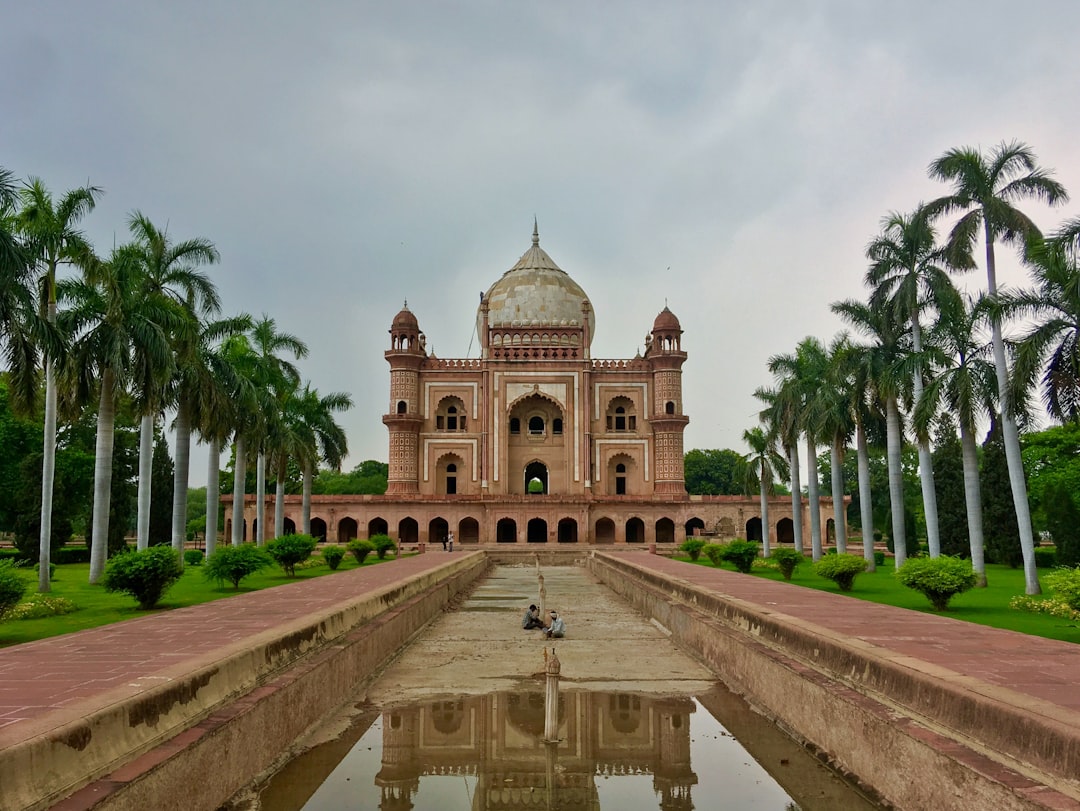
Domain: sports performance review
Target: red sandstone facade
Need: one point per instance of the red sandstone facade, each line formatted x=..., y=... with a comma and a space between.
x=536, y=441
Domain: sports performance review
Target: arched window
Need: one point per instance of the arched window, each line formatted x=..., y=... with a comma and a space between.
x=669, y=408
x=536, y=426
x=620, y=479
x=402, y=406
x=620, y=419
x=620, y=415
x=450, y=416
x=556, y=426
x=515, y=425
x=451, y=479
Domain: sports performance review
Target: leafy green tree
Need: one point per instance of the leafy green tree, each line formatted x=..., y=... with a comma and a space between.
x=985, y=188
x=714, y=472
x=999, y=513
x=367, y=478
x=1051, y=458
x=949, y=484
x=12, y=586
x=145, y=574
x=1063, y=523
x=159, y=530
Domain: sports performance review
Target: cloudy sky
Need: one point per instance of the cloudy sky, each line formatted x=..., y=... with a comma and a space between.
x=729, y=159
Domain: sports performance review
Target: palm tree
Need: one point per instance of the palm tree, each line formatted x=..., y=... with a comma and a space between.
x=171, y=270
x=800, y=375
x=53, y=240
x=907, y=273
x=1051, y=345
x=112, y=320
x=19, y=326
x=834, y=417
x=886, y=348
x=780, y=412
x=330, y=443
x=965, y=385
x=985, y=188
x=763, y=464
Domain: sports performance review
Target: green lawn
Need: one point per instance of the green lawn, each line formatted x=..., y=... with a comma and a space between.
x=99, y=607
x=988, y=606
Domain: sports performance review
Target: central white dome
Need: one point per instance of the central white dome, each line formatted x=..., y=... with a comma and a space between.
x=536, y=292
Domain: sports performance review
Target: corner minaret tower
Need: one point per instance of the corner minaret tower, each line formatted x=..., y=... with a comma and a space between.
x=406, y=355
x=665, y=357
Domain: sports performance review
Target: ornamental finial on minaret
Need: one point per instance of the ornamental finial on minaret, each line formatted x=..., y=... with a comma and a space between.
x=536, y=232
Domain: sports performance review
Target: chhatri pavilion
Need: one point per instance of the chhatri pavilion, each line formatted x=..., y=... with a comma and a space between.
x=537, y=441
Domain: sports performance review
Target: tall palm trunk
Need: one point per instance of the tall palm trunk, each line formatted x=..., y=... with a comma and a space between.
x=103, y=455
x=973, y=502
x=180, y=476
x=836, y=459
x=48, y=469
x=260, y=498
x=926, y=463
x=814, y=498
x=1010, y=434
x=765, y=549
x=238, y=491
x=213, y=497
x=866, y=504
x=279, y=505
x=146, y=464
x=306, y=508
x=796, y=497
x=896, y=480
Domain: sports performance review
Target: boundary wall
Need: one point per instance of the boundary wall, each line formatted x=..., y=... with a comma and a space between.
x=909, y=732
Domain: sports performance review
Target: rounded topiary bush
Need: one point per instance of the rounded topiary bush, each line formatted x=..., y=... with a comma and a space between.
x=146, y=574
x=290, y=550
x=740, y=554
x=383, y=544
x=786, y=560
x=360, y=549
x=234, y=563
x=841, y=569
x=193, y=557
x=333, y=555
x=13, y=586
x=1065, y=584
x=939, y=579
x=692, y=547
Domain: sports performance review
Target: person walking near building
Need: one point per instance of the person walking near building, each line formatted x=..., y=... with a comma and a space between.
x=450, y=539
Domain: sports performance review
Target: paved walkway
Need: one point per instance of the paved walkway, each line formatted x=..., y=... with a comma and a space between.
x=1043, y=668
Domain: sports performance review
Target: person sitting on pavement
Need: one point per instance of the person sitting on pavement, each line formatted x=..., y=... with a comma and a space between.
x=531, y=619
x=557, y=628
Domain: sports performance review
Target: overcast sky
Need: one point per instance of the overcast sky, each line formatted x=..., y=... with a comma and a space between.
x=729, y=159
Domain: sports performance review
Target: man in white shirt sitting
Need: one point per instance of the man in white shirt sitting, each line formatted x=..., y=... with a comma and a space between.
x=557, y=628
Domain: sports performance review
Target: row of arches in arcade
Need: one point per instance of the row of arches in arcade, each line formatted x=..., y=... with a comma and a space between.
x=535, y=530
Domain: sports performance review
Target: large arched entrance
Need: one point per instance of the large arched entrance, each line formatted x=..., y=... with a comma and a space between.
x=692, y=524
x=665, y=531
x=408, y=532
x=605, y=531
x=438, y=530
x=567, y=530
x=536, y=531
x=635, y=531
x=785, y=531
x=318, y=529
x=536, y=472
x=288, y=527
x=377, y=526
x=506, y=531
x=346, y=530
x=468, y=531
x=753, y=529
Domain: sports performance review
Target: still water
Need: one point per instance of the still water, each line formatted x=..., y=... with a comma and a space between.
x=615, y=751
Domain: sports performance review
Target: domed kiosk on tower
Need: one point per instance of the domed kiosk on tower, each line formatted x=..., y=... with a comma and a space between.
x=534, y=440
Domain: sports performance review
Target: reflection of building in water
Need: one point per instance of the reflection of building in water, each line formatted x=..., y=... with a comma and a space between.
x=498, y=738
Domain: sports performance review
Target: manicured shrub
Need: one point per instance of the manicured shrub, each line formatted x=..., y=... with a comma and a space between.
x=193, y=557
x=692, y=547
x=383, y=544
x=879, y=558
x=289, y=550
x=741, y=554
x=841, y=569
x=71, y=554
x=1065, y=583
x=39, y=606
x=360, y=549
x=1045, y=557
x=787, y=560
x=234, y=563
x=714, y=552
x=146, y=575
x=333, y=555
x=939, y=579
x=13, y=586
x=52, y=569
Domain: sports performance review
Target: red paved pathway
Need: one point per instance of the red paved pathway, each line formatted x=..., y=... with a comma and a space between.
x=40, y=677
x=1044, y=668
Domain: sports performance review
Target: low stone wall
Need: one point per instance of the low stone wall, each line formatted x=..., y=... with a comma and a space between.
x=192, y=743
x=916, y=738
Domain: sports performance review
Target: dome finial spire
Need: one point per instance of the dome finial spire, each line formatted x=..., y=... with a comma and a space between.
x=536, y=232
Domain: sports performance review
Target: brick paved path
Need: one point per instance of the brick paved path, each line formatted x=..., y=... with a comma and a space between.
x=53, y=675
x=1043, y=668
